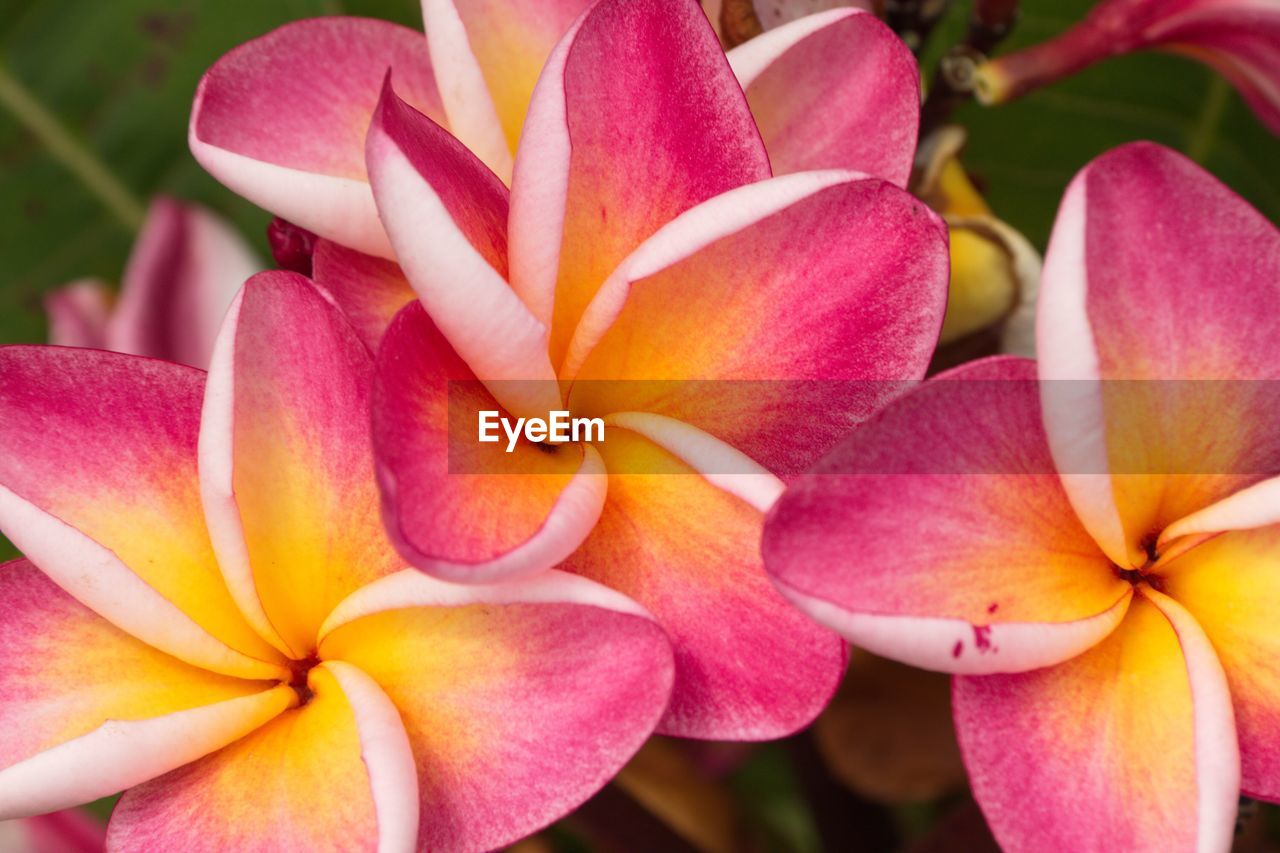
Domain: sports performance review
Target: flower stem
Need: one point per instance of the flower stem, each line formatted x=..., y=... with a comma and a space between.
x=1202, y=135
x=64, y=148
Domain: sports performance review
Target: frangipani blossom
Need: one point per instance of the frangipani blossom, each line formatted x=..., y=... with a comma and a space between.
x=281, y=120
x=185, y=267
x=1115, y=648
x=1240, y=39
x=645, y=269
x=212, y=617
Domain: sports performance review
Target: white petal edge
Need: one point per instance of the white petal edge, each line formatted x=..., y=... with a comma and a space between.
x=412, y=588
x=93, y=575
x=570, y=521
x=122, y=753
x=1255, y=506
x=691, y=231
x=720, y=464
x=1217, y=751
x=951, y=645
x=1070, y=384
x=387, y=756
x=473, y=306
x=473, y=118
x=750, y=59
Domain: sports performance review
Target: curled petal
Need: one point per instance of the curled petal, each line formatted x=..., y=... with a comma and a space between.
x=281, y=120
x=1004, y=580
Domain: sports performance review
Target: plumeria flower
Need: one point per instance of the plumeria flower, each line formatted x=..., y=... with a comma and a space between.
x=185, y=267
x=281, y=120
x=212, y=617
x=1240, y=39
x=1111, y=626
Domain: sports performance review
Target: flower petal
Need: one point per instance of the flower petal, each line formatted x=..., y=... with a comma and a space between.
x=1230, y=584
x=837, y=89
x=939, y=535
x=498, y=49
x=635, y=119
x=281, y=120
x=98, y=487
x=311, y=779
x=89, y=710
x=185, y=267
x=66, y=831
x=497, y=685
x=455, y=508
x=748, y=666
x=1157, y=272
x=1155, y=781
x=848, y=280
x=446, y=215
x=369, y=290
x=286, y=460
x=78, y=314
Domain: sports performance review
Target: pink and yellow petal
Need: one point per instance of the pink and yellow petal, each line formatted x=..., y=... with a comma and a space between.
x=370, y=291
x=281, y=120
x=1002, y=579
x=308, y=780
x=89, y=710
x=111, y=508
x=636, y=118
x=833, y=90
x=496, y=685
x=837, y=282
x=748, y=665
x=454, y=507
x=286, y=460
x=1146, y=711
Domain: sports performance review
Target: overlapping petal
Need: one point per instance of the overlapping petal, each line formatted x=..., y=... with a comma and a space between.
x=748, y=666
x=286, y=460
x=837, y=89
x=281, y=120
x=1157, y=273
x=456, y=508
x=520, y=700
x=308, y=780
x=88, y=710
x=800, y=300
x=1002, y=577
x=1128, y=746
x=636, y=118
x=370, y=291
x=98, y=487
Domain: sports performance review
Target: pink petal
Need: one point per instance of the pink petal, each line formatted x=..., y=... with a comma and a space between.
x=833, y=90
x=914, y=537
x=286, y=460
x=520, y=699
x=281, y=120
x=185, y=267
x=446, y=215
x=635, y=119
x=455, y=508
x=78, y=314
x=88, y=710
x=847, y=289
x=684, y=545
x=370, y=291
x=98, y=487
x=336, y=774
x=66, y=831
x=1157, y=272
x=1072, y=757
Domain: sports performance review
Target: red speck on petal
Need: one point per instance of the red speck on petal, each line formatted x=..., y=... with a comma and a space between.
x=982, y=638
x=957, y=649
x=993, y=607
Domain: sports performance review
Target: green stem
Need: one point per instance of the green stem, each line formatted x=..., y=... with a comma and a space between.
x=64, y=148
x=1206, y=126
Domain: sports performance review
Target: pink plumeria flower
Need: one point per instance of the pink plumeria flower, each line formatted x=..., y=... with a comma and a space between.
x=1240, y=39
x=641, y=184
x=281, y=120
x=212, y=617
x=1111, y=626
x=185, y=267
